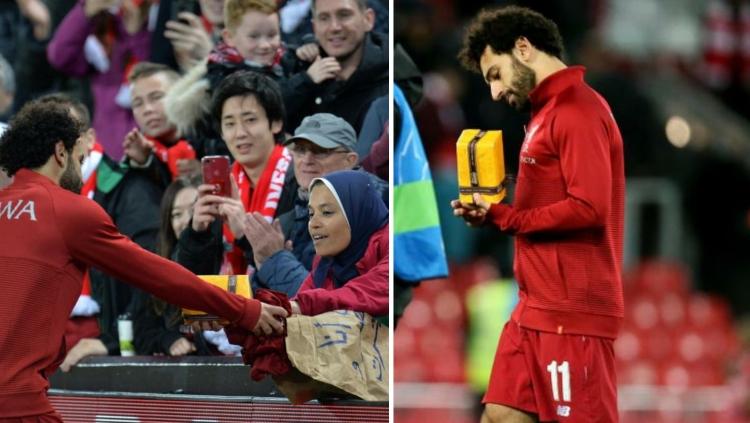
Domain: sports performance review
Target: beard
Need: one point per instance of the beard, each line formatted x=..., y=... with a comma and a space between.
x=522, y=84
x=70, y=179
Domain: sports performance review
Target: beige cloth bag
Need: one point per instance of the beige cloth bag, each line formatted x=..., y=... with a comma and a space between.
x=341, y=351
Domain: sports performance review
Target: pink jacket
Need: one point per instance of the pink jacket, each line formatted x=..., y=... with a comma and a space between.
x=367, y=292
x=65, y=53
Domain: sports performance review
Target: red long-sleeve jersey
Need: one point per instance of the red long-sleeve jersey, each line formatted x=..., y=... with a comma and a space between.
x=48, y=237
x=568, y=211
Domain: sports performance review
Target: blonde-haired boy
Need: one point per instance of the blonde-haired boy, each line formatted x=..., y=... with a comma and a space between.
x=252, y=27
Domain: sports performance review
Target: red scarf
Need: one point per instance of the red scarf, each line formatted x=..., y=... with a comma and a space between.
x=224, y=54
x=170, y=154
x=263, y=198
x=88, y=170
x=208, y=26
x=89, y=187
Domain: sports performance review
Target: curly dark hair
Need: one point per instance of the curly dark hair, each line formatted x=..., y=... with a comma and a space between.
x=80, y=109
x=32, y=134
x=249, y=83
x=499, y=28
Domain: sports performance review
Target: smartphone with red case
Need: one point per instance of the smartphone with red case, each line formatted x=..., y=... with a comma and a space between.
x=216, y=172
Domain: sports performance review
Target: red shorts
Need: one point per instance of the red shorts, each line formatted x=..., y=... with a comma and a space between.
x=566, y=378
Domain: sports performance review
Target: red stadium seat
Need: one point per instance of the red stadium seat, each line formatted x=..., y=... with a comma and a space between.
x=628, y=346
x=658, y=278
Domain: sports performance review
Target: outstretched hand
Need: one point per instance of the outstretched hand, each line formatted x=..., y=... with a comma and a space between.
x=137, y=147
x=473, y=213
x=271, y=320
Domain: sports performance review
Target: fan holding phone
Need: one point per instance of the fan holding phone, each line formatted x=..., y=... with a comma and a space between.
x=216, y=173
x=192, y=36
x=248, y=110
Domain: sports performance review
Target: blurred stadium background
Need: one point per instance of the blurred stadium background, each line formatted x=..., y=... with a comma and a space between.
x=677, y=76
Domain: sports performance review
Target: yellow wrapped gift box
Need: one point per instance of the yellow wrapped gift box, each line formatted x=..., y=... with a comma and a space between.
x=236, y=284
x=481, y=166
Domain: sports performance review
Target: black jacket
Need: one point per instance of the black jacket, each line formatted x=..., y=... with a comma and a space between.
x=348, y=99
x=156, y=326
x=132, y=200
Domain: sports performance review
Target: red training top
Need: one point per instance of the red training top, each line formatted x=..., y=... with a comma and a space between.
x=568, y=212
x=48, y=238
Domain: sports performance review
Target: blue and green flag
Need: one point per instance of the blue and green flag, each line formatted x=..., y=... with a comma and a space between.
x=417, y=241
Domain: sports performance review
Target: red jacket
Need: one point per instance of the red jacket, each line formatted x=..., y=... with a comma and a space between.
x=568, y=212
x=48, y=238
x=367, y=292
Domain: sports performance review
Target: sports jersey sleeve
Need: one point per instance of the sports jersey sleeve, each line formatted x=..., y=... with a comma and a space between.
x=92, y=238
x=584, y=150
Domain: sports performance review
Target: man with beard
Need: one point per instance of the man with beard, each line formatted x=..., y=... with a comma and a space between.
x=349, y=69
x=555, y=359
x=131, y=199
x=50, y=236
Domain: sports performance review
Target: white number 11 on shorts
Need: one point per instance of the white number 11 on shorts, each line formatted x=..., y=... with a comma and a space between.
x=564, y=370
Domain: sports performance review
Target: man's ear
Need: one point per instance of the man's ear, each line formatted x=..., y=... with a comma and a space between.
x=352, y=159
x=91, y=138
x=61, y=153
x=226, y=35
x=524, y=49
x=277, y=126
x=370, y=19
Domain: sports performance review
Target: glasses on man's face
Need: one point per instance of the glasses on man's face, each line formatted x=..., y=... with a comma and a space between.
x=317, y=153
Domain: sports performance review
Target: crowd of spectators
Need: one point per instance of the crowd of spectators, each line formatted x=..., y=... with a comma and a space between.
x=283, y=88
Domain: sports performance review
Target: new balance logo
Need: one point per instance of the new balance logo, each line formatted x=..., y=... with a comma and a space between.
x=563, y=410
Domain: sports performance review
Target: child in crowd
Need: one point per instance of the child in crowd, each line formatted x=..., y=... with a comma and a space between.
x=251, y=40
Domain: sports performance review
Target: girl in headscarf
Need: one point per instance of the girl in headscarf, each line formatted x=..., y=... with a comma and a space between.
x=349, y=228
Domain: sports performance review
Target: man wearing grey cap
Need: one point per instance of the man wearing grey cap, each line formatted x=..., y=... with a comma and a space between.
x=323, y=143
